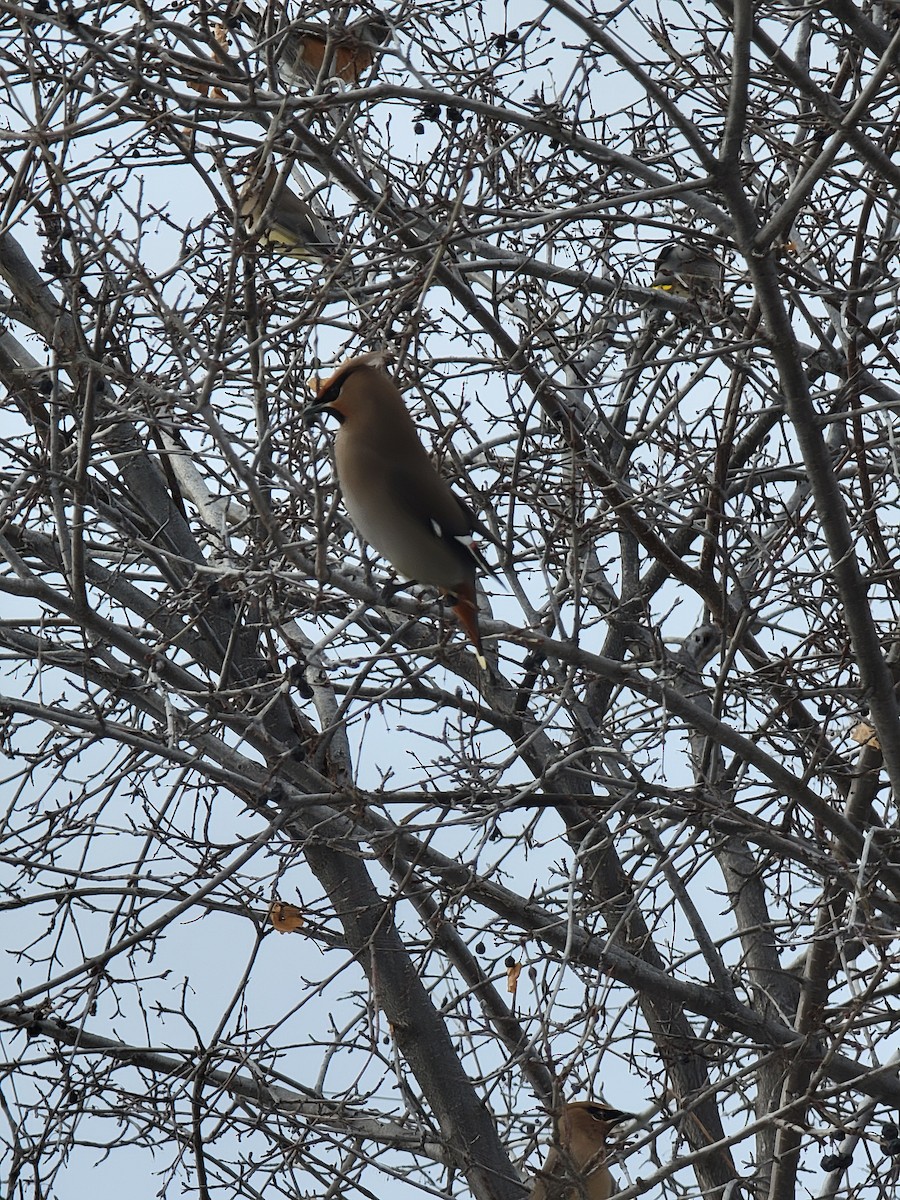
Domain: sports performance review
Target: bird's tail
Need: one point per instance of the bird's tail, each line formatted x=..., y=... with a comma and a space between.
x=466, y=608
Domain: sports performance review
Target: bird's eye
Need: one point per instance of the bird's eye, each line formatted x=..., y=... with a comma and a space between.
x=334, y=389
x=331, y=393
x=602, y=1114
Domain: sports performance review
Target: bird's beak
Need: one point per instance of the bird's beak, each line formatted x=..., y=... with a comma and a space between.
x=316, y=408
x=616, y=1116
x=313, y=411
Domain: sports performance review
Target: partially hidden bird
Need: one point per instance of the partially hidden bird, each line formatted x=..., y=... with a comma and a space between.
x=684, y=270
x=278, y=216
x=392, y=491
x=304, y=50
x=576, y=1169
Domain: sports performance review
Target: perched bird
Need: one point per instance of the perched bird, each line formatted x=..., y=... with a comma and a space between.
x=279, y=216
x=301, y=48
x=683, y=270
x=702, y=643
x=576, y=1169
x=392, y=491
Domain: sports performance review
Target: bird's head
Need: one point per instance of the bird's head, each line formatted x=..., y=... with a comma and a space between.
x=374, y=28
x=354, y=387
x=584, y=1126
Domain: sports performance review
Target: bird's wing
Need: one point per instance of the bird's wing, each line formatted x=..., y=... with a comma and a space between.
x=449, y=518
x=295, y=225
x=474, y=524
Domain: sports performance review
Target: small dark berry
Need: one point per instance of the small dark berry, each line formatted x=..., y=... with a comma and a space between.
x=890, y=1131
x=454, y=116
x=419, y=128
x=480, y=948
x=836, y=1162
x=893, y=1148
x=509, y=963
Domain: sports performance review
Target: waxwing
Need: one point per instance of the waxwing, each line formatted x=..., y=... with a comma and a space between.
x=576, y=1168
x=394, y=495
x=683, y=270
x=274, y=213
x=300, y=49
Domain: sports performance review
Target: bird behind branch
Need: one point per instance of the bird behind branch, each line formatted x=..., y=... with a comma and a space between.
x=576, y=1168
x=303, y=50
x=395, y=497
x=684, y=270
x=275, y=214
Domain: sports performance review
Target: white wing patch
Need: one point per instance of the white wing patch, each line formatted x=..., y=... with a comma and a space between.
x=465, y=539
x=469, y=540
